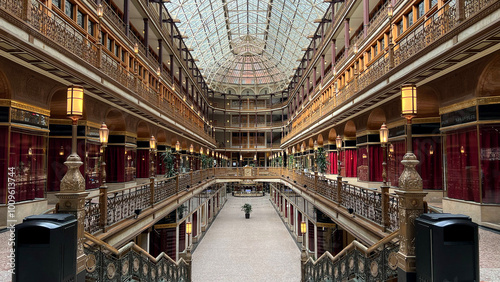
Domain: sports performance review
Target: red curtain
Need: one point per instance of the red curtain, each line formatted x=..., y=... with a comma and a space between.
x=490, y=163
x=375, y=158
x=115, y=164
x=182, y=237
x=362, y=168
x=143, y=163
x=30, y=176
x=4, y=140
x=332, y=168
x=310, y=235
x=428, y=152
x=349, y=162
x=462, y=165
x=394, y=166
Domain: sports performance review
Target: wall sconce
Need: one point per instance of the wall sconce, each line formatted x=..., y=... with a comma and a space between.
x=136, y=48
x=303, y=227
x=30, y=152
x=462, y=149
x=61, y=151
x=189, y=227
x=431, y=150
x=364, y=156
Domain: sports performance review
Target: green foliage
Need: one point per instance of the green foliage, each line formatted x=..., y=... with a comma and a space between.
x=206, y=162
x=168, y=160
x=247, y=208
x=280, y=161
x=290, y=161
x=322, y=160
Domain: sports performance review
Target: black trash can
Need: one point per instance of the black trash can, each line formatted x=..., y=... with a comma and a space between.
x=446, y=248
x=46, y=248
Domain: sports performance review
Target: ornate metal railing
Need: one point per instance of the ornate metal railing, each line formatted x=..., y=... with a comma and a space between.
x=131, y=263
x=356, y=263
x=124, y=202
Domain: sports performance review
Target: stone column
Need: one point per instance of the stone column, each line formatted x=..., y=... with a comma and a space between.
x=411, y=206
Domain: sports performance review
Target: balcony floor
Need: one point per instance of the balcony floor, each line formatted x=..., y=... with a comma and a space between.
x=255, y=249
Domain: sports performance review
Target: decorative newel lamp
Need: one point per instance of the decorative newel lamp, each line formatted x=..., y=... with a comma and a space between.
x=315, y=155
x=408, y=110
x=189, y=227
x=303, y=227
x=103, y=138
x=384, y=136
x=338, y=142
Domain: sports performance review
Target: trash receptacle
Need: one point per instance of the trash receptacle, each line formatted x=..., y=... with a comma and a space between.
x=46, y=248
x=446, y=248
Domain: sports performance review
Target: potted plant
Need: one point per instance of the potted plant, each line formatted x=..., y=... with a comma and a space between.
x=247, y=208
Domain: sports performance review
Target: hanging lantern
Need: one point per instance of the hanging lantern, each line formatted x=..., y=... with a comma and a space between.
x=189, y=228
x=409, y=101
x=384, y=134
x=75, y=101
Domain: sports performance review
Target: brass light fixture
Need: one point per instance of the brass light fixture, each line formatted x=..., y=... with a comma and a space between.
x=408, y=110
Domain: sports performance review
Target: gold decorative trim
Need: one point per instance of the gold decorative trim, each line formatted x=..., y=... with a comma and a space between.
x=425, y=120
x=164, y=226
x=80, y=122
x=458, y=106
x=24, y=106
x=366, y=132
x=29, y=127
x=397, y=123
x=125, y=133
x=143, y=139
x=321, y=224
x=488, y=100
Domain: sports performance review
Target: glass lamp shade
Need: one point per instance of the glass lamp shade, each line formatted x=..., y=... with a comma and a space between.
x=315, y=145
x=177, y=146
x=390, y=10
x=103, y=134
x=293, y=150
x=286, y=151
x=189, y=227
x=384, y=134
x=191, y=148
x=302, y=148
x=74, y=106
x=201, y=151
x=303, y=227
x=255, y=157
x=409, y=100
x=100, y=11
x=338, y=142
x=152, y=143
x=208, y=152
x=241, y=157
x=136, y=48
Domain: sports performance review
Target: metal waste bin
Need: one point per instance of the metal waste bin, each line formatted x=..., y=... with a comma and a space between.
x=46, y=248
x=446, y=248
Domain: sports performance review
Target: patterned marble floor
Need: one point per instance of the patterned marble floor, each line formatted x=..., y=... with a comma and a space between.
x=239, y=249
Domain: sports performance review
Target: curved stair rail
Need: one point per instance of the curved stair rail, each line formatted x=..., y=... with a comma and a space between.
x=356, y=261
x=131, y=263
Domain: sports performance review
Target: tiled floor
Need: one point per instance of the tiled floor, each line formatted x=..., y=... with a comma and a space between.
x=239, y=249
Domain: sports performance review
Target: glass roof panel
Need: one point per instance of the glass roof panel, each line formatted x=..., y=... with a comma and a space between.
x=247, y=42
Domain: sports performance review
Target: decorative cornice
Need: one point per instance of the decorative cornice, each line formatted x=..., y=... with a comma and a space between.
x=24, y=106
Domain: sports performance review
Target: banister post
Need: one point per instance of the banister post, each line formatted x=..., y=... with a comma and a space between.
x=188, y=262
x=152, y=191
x=103, y=207
x=177, y=183
x=316, y=181
x=339, y=190
x=191, y=172
x=385, y=207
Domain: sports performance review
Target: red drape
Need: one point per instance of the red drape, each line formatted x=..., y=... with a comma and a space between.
x=375, y=159
x=59, y=150
x=310, y=235
x=490, y=163
x=332, y=168
x=30, y=176
x=462, y=165
x=362, y=168
x=143, y=163
x=428, y=152
x=349, y=162
x=4, y=140
x=394, y=166
x=182, y=236
x=115, y=164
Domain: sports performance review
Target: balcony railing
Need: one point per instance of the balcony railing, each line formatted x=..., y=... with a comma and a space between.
x=131, y=263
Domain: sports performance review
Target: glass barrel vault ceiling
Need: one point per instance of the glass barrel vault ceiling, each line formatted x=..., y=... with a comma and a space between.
x=247, y=42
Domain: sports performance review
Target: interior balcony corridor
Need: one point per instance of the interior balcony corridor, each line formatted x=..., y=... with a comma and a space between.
x=255, y=249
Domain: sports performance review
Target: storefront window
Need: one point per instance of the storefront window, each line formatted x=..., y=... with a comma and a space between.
x=130, y=164
x=363, y=163
x=27, y=161
x=462, y=168
x=490, y=163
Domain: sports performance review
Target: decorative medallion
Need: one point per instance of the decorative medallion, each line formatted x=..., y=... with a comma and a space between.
x=111, y=270
x=159, y=270
x=393, y=260
x=351, y=263
x=90, y=264
x=136, y=264
x=336, y=272
x=125, y=268
x=145, y=269
x=165, y=268
x=342, y=267
x=374, y=268
x=153, y=273
x=361, y=266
